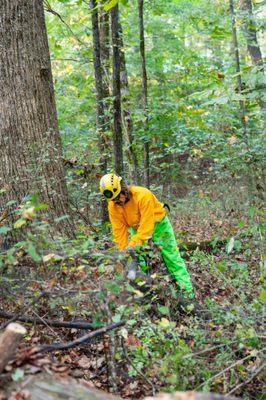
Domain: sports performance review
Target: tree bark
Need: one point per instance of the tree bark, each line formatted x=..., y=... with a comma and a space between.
x=105, y=55
x=126, y=114
x=144, y=94
x=43, y=321
x=100, y=95
x=117, y=133
x=9, y=341
x=190, y=396
x=44, y=386
x=237, y=61
x=31, y=151
x=250, y=32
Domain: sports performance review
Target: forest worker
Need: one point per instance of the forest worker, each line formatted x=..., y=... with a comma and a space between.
x=136, y=216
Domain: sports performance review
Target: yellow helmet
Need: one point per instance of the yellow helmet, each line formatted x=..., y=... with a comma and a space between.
x=110, y=186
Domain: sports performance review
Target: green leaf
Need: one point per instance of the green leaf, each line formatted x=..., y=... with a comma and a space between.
x=116, y=318
x=18, y=375
x=10, y=203
x=262, y=295
x=110, y=4
x=19, y=223
x=4, y=229
x=222, y=266
x=131, y=322
x=113, y=287
x=163, y=310
x=33, y=253
x=230, y=245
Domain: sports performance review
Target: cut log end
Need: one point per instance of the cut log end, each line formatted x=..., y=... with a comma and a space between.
x=9, y=341
x=16, y=329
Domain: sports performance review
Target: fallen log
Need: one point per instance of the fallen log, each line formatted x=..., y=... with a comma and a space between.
x=190, y=396
x=9, y=341
x=45, y=386
x=50, y=322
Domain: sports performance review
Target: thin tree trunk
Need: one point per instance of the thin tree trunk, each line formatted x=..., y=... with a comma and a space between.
x=104, y=17
x=144, y=94
x=117, y=134
x=237, y=61
x=126, y=114
x=100, y=112
x=105, y=52
x=30, y=147
x=250, y=31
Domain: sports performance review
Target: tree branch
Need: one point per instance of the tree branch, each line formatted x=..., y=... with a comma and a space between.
x=75, y=343
x=136, y=369
x=247, y=381
x=54, y=323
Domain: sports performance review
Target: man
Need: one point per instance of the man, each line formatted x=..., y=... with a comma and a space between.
x=136, y=210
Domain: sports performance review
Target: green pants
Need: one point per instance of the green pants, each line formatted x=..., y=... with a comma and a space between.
x=164, y=237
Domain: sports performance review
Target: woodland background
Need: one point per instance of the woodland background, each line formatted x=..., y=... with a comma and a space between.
x=170, y=96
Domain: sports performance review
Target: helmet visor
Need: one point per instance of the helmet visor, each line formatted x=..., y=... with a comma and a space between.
x=108, y=194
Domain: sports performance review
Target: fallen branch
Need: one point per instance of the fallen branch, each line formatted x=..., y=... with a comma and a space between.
x=75, y=343
x=228, y=368
x=54, y=323
x=256, y=373
x=145, y=378
x=9, y=341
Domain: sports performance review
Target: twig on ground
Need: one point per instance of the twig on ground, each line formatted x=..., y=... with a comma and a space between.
x=256, y=373
x=228, y=368
x=76, y=343
x=218, y=346
x=133, y=366
x=42, y=321
x=48, y=326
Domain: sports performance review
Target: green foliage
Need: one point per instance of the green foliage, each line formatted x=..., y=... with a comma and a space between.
x=184, y=352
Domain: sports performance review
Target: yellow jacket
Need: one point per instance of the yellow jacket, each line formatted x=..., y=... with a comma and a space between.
x=141, y=212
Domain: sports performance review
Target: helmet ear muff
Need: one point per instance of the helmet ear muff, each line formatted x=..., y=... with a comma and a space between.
x=110, y=186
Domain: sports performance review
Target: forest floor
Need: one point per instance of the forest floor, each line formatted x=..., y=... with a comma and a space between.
x=218, y=349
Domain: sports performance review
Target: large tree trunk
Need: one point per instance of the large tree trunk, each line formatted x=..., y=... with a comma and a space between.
x=237, y=61
x=144, y=94
x=117, y=134
x=126, y=114
x=100, y=111
x=31, y=153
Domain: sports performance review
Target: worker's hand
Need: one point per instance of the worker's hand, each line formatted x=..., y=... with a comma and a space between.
x=129, y=251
